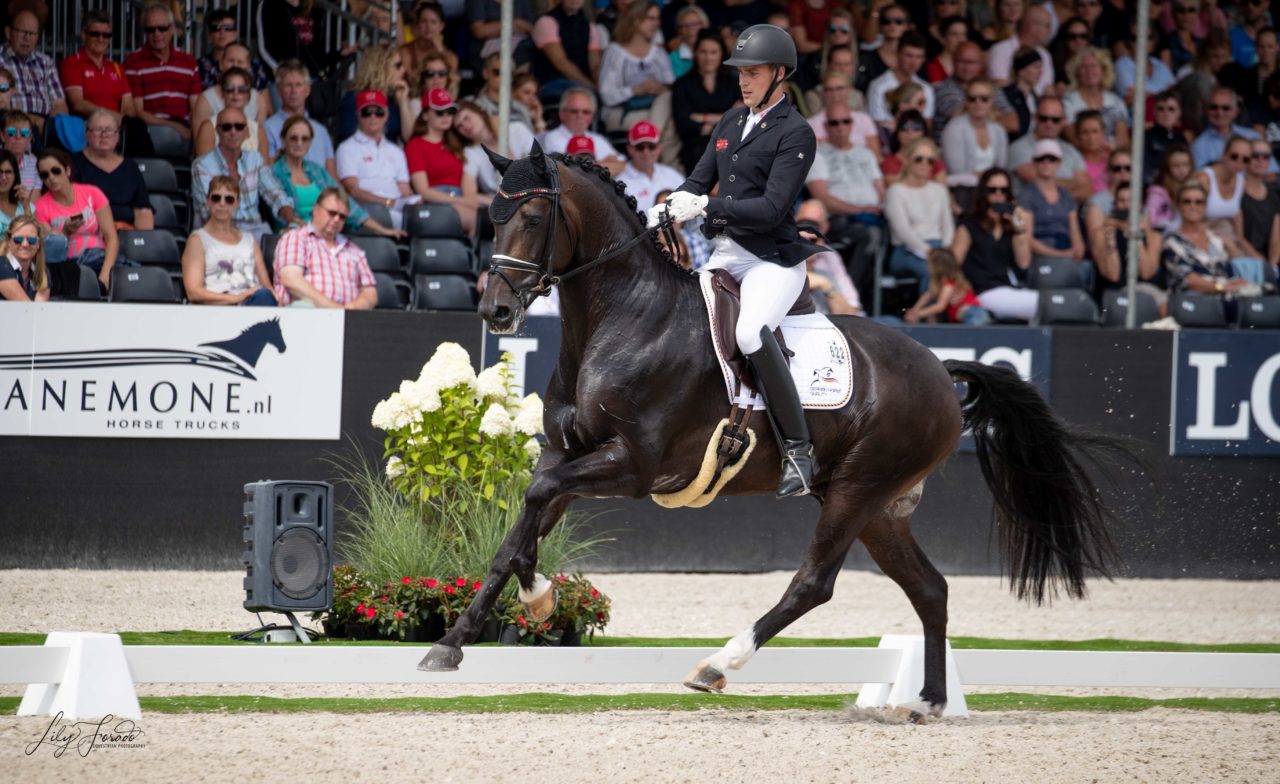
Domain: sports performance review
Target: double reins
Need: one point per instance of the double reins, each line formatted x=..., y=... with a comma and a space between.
x=544, y=269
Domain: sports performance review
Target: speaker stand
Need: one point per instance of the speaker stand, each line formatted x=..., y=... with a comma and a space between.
x=297, y=629
x=300, y=634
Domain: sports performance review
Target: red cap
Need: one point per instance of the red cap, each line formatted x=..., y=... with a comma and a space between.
x=370, y=98
x=643, y=131
x=580, y=145
x=439, y=99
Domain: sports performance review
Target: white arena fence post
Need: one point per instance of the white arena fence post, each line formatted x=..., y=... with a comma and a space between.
x=78, y=674
x=909, y=679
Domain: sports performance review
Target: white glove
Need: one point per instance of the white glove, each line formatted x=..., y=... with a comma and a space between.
x=682, y=205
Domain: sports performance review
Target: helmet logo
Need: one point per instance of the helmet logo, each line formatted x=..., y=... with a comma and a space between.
x=742, y=40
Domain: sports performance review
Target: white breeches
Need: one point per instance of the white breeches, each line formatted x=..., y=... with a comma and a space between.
x=1008, y=302
x=768, y=290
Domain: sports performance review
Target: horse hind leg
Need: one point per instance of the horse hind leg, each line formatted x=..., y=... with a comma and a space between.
x=838, y=526
x=888, y=539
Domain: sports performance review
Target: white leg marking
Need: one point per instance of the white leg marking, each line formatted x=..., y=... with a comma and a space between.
x=735, y=653
x=540, y=586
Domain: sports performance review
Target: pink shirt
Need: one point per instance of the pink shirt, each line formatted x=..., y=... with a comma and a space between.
x=88, y=200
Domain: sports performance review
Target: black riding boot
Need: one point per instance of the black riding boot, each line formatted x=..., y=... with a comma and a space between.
x=783, y=402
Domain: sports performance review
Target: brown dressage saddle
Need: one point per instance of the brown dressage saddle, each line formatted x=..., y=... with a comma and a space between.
x=728, y=306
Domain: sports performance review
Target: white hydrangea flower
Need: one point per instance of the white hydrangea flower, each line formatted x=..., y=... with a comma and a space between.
x=382, y=415
x=449, y=367
x=395, y=468
x=496, y=422
x=403, y=414
x=533, y=448
x=529, y=414
x=420, y=396
x=491, y=384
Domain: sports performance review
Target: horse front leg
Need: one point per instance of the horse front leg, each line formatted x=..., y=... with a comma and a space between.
x=603, y=473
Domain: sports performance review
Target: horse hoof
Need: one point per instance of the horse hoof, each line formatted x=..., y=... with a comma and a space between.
x=541, y=608
x=441, y=658
x=708, y=679
x=918, y=712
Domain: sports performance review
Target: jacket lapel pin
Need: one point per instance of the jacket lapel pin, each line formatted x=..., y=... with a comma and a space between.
x=722, y=145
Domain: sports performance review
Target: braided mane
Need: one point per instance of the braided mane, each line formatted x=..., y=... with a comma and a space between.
x=589, y=166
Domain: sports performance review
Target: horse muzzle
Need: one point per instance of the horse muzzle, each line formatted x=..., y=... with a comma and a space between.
x=502, y=319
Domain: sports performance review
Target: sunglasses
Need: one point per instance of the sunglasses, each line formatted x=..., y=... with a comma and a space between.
x=239, y=89
x=228, y=127
x=893, y=20
x=645, y=146
x=924, y=159
x=1192, y=202
x=1257, y=156
x=1121, y=167
x=1220, y=107
x=837, y=29
x=373, y=111
x=45, y=174
x=156, y=29
x=335, y=213
x=436, y=74
x=979, y=98
x=225, y=27
x=1235, y=156
x=912, y=126
x=998, y=189
x=1047, y=159
x=5, y=87
x=1044, y=118
x=842, y=121
x=452, y=110
x=33, y=241
x=577, y=111
x=222, y=198
x=296, y=138
x=106, y=131
x=101, y=35
x=13, y=132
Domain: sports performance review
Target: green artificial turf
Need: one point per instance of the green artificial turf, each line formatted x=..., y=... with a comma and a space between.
x=187, y=637
x=589, y=703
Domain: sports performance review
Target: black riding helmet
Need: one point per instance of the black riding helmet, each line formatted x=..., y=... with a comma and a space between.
x=765, y=44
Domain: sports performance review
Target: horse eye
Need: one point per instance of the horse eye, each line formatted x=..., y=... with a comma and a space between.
x=534, y=220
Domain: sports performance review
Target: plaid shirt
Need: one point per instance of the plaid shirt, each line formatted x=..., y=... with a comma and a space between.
x=38, y=88
x=338, y=272
x=210, y=72
x=254, y=182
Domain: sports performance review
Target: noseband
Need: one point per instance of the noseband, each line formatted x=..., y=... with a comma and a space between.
x=544, y=269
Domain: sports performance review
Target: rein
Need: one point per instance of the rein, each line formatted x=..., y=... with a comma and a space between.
x=547, y=276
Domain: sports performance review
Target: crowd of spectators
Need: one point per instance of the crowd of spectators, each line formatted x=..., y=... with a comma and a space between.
x=962, y=143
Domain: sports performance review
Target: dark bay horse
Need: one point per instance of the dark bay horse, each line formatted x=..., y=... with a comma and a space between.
x=637, y=392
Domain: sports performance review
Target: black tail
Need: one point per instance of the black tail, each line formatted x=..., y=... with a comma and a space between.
x=1048, y=511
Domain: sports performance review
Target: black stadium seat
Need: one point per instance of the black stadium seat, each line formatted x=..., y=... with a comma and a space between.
x=1065, y=306
x=169, y=143
x=1258, y=313
x=141, y=284
x=1051, y=273
x=433, y=220
x=440, y=256
x=1192, y=309
x=378, y=212
x=392, y=294
x=443, y=292
x=159, y=175
x=90, y=291
x=1115, y=308
x=166, y=215
x=155, y=248
x=382, y=254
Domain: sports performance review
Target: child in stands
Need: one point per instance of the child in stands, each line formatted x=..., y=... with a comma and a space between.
x=949, y=296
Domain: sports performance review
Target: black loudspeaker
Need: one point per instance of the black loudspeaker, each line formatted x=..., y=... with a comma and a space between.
x=288, y=560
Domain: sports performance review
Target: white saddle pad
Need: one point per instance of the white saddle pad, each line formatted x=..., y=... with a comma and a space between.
x=821, y=367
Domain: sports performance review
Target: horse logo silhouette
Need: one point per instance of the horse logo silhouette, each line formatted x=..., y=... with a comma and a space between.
x=824, y=375
x=236, y=356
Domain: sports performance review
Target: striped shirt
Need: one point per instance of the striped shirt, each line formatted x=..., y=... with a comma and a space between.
x=165, y=87
x=38, y=88
x=255, y=182
x=339, y=272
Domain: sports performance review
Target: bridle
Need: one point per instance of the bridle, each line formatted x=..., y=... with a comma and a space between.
x=547, y=277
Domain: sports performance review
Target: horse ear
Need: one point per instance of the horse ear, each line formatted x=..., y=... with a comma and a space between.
x=498, y=161
x=536, y=151
x=539, y=157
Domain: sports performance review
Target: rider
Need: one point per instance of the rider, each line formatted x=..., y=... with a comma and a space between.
x=759, y=154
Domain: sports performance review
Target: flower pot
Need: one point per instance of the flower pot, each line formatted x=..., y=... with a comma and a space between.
x=491, y=631
x=552, y=638
x=571, y=638
x=510, y=635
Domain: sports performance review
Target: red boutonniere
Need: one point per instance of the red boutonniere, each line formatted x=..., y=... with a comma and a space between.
x=722, y=145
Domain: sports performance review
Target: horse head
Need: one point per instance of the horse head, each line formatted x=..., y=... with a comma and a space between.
x=273, y=335
x=534, y=223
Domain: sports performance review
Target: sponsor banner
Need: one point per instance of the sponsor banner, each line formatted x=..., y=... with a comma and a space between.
x=1226, y=394
x=1025, y=350
x=151, y=371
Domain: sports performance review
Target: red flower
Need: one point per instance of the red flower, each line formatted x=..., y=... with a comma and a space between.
x=360, y=608
x=399, y=615
x=370, y=612
x=599, y=616
x=562, y=578
x=520, y=620
x=431, y=583
x=461, y=581
x=406, y=580
x=477, y=585
x=384, y=598
x=594, y=593
x=450, y=589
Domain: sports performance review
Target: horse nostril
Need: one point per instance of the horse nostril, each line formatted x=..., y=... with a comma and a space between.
x=501, y=313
